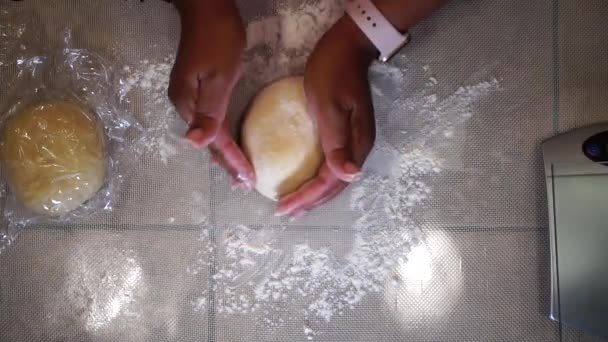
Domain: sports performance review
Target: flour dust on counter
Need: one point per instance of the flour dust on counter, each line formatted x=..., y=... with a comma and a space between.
x=281, y=277
x=261, y=270
x=148, y=82
x=278, y=45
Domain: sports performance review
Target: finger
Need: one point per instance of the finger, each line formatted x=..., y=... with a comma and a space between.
x=214, y=161
x=333, y=123
x=328, y=196
x=233, y=178
x=212, y=96
x=230, y=157
x=297, y=215
x=313, y=194
x=182, y=93
x=363, y=129
x=335, y=136
x=235, y=184
x=203, y=130
x=202, y=127
x=339, y=160
x=310, y=193
x=210, y=109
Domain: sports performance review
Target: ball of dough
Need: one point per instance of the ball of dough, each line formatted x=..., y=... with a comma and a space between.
x=280, y=138
x=54, y=158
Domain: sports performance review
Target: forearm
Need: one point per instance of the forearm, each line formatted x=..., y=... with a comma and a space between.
x=214, y=17
x=208, y=6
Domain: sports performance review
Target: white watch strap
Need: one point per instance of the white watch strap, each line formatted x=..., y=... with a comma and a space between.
x=376, y=27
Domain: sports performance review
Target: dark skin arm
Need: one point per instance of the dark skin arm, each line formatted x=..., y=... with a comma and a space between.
x=338, y=92
x=207, y=67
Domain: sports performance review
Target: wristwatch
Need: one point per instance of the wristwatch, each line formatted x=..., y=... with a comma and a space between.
x=385, y=37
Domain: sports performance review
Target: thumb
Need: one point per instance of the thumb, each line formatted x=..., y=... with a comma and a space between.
x=334, y=129
x=210, y=110
x=183, y=93
x=339, y=161
x=203, y=130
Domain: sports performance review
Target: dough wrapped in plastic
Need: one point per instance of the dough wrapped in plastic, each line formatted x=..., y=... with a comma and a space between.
x=53, y=156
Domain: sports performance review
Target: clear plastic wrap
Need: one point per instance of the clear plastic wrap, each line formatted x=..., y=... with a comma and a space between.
x=11, y=32
x=66, y=138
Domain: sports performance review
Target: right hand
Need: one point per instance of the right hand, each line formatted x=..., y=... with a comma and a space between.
x=207, y=67
x=339, y=96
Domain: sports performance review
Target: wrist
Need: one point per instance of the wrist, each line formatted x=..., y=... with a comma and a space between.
x=348, y=33
x=393, y=12
x=403, y=15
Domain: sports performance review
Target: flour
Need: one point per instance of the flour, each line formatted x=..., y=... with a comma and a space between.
x=165, y=150
x=102, y=299
x=149, y=82
x=295, y=27
x=260, y=270
x=301, y=27
x=279, y=45
x=12, y=29
x=439, y=116
x=318, y=280
x=198, y=208
x=291, y=106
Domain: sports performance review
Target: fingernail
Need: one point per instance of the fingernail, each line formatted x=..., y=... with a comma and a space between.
x=351, y=168
x=356, y=177
x=234, y=184
x=245, y=181
x=353, y=177
x=196, y=137
x=297, y=215
x=193, y=143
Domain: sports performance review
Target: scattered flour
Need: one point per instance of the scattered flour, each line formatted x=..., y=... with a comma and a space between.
x=320, y=281
x=309, y=333
x=148, y=82
x=438, y=116
x=165, y=149
x=279, y=45
x=260, y=273
x=200, y=304
x=103, y=299
x=12, y=29
x=198, y=208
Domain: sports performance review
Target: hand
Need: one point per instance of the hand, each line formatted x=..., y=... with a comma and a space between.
x=338, y=94
x=206, y=69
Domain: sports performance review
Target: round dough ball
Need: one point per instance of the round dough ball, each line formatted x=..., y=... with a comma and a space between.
x=280, y=138
x=54, y=158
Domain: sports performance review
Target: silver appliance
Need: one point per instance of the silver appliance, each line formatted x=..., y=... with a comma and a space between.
x=576, y=169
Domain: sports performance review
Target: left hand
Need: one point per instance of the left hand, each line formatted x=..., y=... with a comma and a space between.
x=338, y=94
x=207, y=67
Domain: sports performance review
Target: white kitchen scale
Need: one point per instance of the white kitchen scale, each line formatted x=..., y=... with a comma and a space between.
x=576, y=170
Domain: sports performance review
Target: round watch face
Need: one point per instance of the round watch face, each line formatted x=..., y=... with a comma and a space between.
x=596, y=147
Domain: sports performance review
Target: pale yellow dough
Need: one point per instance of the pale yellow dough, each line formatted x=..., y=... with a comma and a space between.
x=54, y=158
x=280, y=138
